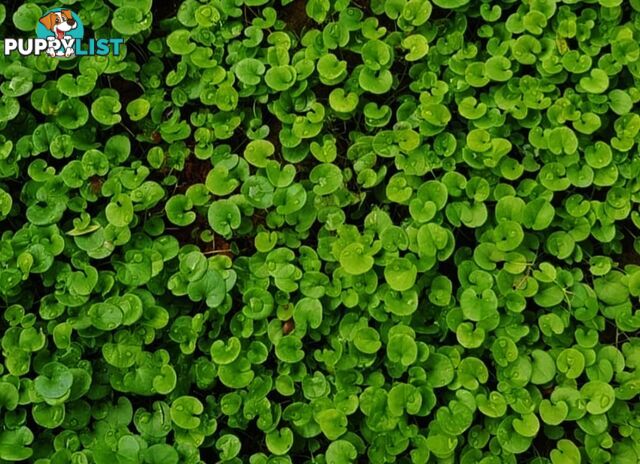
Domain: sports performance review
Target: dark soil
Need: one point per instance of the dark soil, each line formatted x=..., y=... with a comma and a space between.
x=295, y=16
x=165, y=9
x=195, y=172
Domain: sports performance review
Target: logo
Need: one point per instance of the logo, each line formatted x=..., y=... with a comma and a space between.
x=63, y=27
x=60, y=33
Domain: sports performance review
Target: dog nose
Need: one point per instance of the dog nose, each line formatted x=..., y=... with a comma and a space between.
x=71, y=21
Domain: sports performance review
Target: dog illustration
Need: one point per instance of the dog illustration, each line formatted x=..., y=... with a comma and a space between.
x=60, y=22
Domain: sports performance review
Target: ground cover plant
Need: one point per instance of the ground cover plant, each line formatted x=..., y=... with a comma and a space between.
x=275, y=231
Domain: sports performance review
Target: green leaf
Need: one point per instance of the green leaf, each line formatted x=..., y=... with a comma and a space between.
x=54, y=382
x=106, y=110
x=224, y=216
x=354, y=259
x=185, y=412
x=333, y=423
x=137, y=109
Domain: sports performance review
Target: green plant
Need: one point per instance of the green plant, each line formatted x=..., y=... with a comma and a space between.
x=278, y=231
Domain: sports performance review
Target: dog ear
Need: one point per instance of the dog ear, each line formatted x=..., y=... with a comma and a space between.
x=67, y=14
x=48, y=21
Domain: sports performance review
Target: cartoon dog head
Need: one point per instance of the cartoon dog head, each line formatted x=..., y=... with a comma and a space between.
x=59, y=22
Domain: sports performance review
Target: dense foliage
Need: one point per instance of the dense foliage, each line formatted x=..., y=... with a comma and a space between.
x=321, y=231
